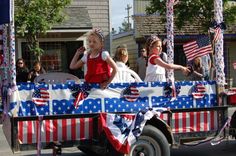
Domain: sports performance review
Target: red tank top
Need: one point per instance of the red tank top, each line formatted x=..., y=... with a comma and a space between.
x=98, y=70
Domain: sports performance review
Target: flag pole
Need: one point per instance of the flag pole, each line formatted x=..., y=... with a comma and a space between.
x=12, y=69
x=219, y=53
x=170, y=36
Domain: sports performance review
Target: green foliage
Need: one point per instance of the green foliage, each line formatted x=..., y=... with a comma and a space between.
x=190, y=10
x=125, y=27
x=35, y=17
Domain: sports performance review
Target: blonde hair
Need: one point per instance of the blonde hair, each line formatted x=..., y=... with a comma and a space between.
x=98, y=33
x=120, y=51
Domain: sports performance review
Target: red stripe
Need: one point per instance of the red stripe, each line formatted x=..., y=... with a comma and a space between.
x=198, y=121
x=205, y=121
x=29, y=132
x=82, y=128
x=64, y=129
x=90, y=128
x=212, y=121
x=184, y=121
x=55, y=130
x=73, y=129
x=176, y=122
x=192, y=129
x=20, y=129
x=47, y=130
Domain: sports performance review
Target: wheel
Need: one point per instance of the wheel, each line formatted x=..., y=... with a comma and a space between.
x=152, y=142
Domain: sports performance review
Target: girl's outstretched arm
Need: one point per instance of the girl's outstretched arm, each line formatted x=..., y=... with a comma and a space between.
x=75, y=63
x=165, y=65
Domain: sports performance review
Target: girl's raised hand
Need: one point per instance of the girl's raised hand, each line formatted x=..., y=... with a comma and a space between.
x=80, y=51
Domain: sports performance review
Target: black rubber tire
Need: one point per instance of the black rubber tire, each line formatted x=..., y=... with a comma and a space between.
x=152, y=142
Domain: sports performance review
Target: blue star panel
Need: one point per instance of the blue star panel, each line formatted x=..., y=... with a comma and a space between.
x=62, y=99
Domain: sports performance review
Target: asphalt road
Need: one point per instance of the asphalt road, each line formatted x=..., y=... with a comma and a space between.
x=226, y=148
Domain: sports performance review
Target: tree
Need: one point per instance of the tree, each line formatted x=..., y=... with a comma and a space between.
x=190, y=10
x=125, y=27
x=35, y=17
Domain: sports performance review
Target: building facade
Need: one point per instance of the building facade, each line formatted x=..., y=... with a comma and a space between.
x=61, y=42
x=145, y=25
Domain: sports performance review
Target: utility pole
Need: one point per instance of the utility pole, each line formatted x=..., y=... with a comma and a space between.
x=128, y=9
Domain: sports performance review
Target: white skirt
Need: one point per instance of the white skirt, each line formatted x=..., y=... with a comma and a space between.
x=155, y=77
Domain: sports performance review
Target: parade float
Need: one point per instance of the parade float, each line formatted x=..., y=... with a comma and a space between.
x=142, y=118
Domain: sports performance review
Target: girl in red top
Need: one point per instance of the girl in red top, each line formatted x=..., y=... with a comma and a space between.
x=97, y=61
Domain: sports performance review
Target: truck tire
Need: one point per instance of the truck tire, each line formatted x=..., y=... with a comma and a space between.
x=152, y=142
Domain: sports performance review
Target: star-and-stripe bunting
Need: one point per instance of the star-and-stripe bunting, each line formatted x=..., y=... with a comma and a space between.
x=55, y=130
x=199, y=91
x=80, y=94
x=122, y=130
x=131, y=93
x=40, y=96
x=82, y=128
x=217, y=32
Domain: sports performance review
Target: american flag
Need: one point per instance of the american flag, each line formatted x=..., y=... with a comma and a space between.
x=79, y=98
x=5, y=15
x=1, y=39
x=197, y=48
x=40, y=96
x=199, y=91
x=131, y=93
x=80, y=93
x=217, y=32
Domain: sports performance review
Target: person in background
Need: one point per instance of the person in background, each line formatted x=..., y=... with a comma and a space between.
x=21, y=71
x=206, y=66
x=36, y=71
x=141, y=63
x=155, y=65
x=196, y=71
x=121, y=58
x=97, y=60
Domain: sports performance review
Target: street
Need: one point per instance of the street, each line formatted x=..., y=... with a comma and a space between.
x=224, y=149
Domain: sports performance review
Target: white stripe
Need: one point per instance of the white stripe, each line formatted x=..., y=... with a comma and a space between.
x=215, y=120
x=43, y=131
x=77, y=120
x=188, y=122
x=180, y=120
x=51, y=130
x=86, y=128
x=25, y=131
x=34, y=131
x=59, y=125
x=68, y=126
x=173, y=123
x=209, y=120
x=202, y=121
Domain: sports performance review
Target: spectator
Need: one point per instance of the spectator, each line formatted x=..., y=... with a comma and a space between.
x=36, y=71
x=21, y=71
x=141, y=64
x=206, y=66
